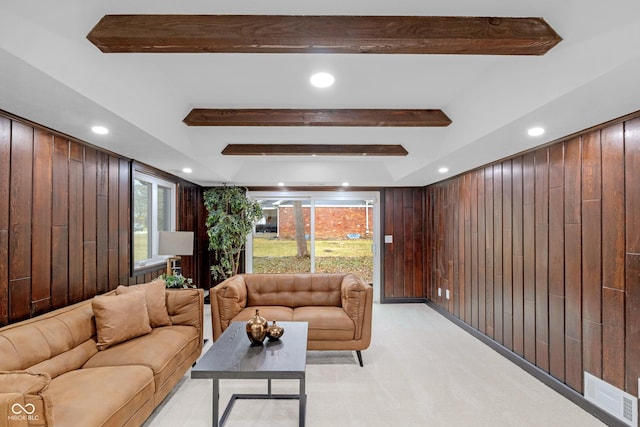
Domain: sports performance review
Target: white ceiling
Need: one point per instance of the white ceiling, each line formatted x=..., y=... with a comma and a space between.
x=51, y=74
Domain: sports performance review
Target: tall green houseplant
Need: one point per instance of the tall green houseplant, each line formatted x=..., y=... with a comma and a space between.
x=231, y=216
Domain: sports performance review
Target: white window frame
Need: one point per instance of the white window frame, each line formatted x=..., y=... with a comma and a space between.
x=155, y=183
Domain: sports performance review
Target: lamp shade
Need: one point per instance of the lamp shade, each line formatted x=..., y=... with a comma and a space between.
x=175, y=243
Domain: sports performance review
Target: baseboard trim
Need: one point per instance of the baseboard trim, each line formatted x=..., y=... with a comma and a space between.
x=532, y=369
x=403, y=300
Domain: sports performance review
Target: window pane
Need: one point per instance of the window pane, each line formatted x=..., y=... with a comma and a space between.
x=344, y=237
x=153, y=211
x=164, y=209
x=141, y=220
x=275, y=246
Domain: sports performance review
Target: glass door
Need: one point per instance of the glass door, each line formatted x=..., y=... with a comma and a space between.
x=323, y=232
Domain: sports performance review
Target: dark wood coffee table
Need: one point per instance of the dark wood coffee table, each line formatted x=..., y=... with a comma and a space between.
x=233, y=357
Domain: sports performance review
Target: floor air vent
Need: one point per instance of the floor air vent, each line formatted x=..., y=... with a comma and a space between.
x=611, y=399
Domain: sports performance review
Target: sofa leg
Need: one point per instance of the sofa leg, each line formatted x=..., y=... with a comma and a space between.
x=359, y=354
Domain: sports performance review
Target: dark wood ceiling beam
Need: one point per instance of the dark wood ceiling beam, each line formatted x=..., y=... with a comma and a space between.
x=316, y=117
x=313, y=150
x=324, y=34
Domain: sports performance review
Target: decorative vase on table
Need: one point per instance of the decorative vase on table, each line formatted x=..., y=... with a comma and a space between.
x=274, y=332
x=257, y=329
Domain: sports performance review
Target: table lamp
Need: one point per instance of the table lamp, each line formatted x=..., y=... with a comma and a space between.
x=175, y=243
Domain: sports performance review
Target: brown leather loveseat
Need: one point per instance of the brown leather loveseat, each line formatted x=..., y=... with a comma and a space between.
x=337, y=307
x=107, y=361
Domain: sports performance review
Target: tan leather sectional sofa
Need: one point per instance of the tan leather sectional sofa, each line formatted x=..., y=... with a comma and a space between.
x=338, y=307
x=108, y=361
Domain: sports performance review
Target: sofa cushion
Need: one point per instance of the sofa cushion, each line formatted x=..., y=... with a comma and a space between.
x=326, y=323
x=269, y=312
x=155, y=298
x=32, y=341
x=120, y=318
x=294, y=290
x=105, y=396
x=163, y=350
x=67, y=361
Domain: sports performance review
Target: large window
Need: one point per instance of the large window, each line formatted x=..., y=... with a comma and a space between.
x=154, y=207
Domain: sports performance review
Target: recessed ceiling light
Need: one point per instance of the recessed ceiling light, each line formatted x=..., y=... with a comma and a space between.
x=281, y=184
x=187, y=170
x=345, y=184
x=537, y=131
x=443, y=170
x=100, y=130
x=322, y=80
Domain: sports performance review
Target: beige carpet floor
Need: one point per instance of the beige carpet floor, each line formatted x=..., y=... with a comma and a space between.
x=421, y=370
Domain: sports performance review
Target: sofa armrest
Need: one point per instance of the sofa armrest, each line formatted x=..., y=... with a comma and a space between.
x=25, y=399
x=7, y=402
x=186, y=307
x=227, y=298
x=357, y=302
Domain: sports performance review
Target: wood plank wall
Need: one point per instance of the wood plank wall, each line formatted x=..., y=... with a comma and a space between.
x=64, y=207
x=404, y=220
x=541, y=252
x=64, y=221
x=191, y=217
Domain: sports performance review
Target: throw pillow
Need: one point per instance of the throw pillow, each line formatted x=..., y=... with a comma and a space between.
x=120, y=318
x=155, y=295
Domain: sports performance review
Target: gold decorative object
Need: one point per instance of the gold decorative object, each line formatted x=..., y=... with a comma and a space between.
x=257, y=329
x=274, y=332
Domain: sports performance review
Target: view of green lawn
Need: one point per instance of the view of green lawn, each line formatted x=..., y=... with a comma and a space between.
x=140, y=245
x=270, y=247
x=279, y=256
x=332, y=256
